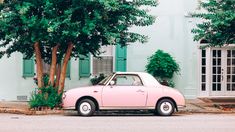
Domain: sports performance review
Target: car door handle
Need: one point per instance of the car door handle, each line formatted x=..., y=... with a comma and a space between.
x=140, y=91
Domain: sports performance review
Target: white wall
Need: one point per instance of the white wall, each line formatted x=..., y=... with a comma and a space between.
x=171, y=33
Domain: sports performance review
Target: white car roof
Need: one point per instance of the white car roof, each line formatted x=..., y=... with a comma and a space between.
x=130, y=72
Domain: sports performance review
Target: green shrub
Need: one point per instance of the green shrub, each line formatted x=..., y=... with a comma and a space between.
x=162, y=66
x=45, y=79
x=167, y=82
x=96, y=80
x=48, y=97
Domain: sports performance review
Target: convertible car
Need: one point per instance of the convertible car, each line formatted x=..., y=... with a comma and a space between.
x=124, y=91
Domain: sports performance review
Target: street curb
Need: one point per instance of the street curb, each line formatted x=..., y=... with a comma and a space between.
x=62, y=112
x=31, y=112
x=206, y=112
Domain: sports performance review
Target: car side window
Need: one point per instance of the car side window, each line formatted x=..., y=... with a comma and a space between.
x=127, y=80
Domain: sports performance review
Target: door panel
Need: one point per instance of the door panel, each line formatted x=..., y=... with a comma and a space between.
x=127, y=90
x=124, y=96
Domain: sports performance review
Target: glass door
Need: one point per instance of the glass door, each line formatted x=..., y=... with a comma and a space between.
x=222, y=72
x=230, y=72
x=216, y=73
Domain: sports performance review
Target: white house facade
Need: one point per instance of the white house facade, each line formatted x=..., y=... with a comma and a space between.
x=204, y=73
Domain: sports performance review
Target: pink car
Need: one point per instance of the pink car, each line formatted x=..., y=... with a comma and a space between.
x=124, y=91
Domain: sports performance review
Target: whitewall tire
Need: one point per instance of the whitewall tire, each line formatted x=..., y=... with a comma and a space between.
x=165, y=107
x=86, y=107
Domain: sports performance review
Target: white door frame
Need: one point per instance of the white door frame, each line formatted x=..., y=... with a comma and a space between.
x=220, y=78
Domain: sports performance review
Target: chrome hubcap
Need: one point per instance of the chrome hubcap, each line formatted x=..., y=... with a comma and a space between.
x=166, y=107
x=85, y=108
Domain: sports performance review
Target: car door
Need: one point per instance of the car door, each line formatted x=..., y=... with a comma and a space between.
x=127, y=91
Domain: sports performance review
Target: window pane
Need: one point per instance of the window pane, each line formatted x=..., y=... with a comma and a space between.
x=219, y=53
x=233, y=78
x=214, y=78
x=204, y=61
x=228, y=62
x=46, y=68
x=203, y=53
x=127, y=80
x=123, y=81
x=219, y=62
x=228, y=87
x=203, y=87
x=106, y=50
x=219, y=87
x=228, y=53
x=203, y=70
x=213, y=87
x=228, y=78
x=214, y=70
x=218, y=70
x=228, y=70
x=103, y=65
x=219, y=78
x=233, y=53
x=233, y=87
x=233, y=61
x=233, y=70
x=214, y=62
x=214, y=53
x=203, y=78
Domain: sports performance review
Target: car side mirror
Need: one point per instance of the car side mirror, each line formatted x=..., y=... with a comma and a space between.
x=112, y=83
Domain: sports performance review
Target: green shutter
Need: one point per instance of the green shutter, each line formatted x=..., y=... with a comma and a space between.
x=120, y=58
x=84, y=66
x=28, y=67
x=68, y=69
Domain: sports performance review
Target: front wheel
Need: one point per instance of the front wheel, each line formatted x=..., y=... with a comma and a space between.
x=165, y=107
x=86, y=107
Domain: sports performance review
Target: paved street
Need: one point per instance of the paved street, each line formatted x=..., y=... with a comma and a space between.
x=142, y=123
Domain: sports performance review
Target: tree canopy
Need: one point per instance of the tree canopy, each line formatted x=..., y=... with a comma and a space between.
x=55, y=30
x=218, y=26
x=88, y=24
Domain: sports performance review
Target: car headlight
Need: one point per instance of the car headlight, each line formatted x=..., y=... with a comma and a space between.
x=64, y=96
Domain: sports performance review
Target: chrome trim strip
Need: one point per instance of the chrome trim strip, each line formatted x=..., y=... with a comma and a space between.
x=181, y=106
x=69, y=108
x=126, y=108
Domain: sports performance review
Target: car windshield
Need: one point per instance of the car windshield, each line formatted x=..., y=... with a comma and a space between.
x=105, y=80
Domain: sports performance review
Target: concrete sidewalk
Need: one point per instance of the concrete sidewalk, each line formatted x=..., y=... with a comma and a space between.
x=192, y=106
x=202, y=106
x=14, y=107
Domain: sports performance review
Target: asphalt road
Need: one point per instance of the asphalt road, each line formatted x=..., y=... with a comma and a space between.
x=118, y=123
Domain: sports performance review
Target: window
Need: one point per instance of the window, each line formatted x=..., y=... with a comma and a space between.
x=111, y=57
x=46, y=69
x=29, y=68
x=127, y=80
x=104, y=63
x=203, y=70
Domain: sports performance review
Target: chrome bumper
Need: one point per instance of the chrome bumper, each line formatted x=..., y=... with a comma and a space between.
x=69, y=108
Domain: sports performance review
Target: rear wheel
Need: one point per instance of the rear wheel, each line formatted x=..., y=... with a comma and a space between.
x=86, y=107
x=165, y=107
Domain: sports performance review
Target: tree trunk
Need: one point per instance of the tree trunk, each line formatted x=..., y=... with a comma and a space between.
x=53, y=65
x=39, y=65
x=58, y=71
x=64, y=67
